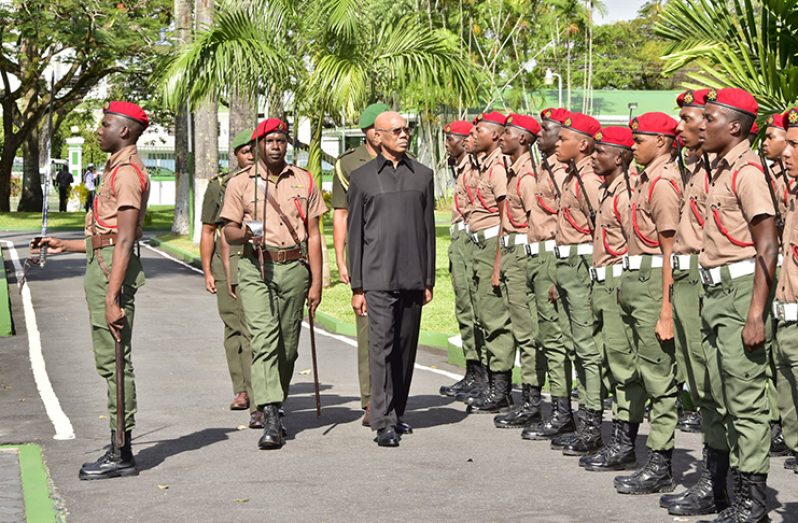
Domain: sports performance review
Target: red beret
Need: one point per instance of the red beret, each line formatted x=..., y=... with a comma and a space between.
x=270, y=125
x=654, y=123
x=128, y=110
x=732, y=98
x=491, y=117
x=692, y=98
x=582, y=123
x=754, y=129
x=555, y=115
x=678, y=143
x=460, y=127
x=775, y=120
x=791, y=118
x=616, y=136
x=527, y=123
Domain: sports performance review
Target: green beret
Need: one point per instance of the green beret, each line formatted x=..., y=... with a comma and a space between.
x=371, y=113
x=241, y=139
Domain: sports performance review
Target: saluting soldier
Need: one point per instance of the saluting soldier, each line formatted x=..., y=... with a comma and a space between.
x=707, y=495
x=520, y=133
x=786, y=302
x=460, y=257
x=220, y=267
x=273, y=209
x=611, y=159
x=738, y=265
x=344, y=166
x=580, y=198
x=541, y=266
x=113, y=270
x=484, y=225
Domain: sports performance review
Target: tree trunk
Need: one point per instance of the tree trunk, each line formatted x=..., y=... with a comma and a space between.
x=31, y=197
x=6, y=164
x=242, y=116
x=314, y=166
x=206, y=133
x=180, y=223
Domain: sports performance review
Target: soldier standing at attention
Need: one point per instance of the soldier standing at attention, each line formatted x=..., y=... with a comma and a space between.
x=460, y=261
x=520, y=133
x=541, y=267
x=485, y=227
x=113, y=270
x=220, y=267
x=344, y=166
x=786, y=303
x=280, y=268
x=611, y=159
x=708, y=494
x=738, y=266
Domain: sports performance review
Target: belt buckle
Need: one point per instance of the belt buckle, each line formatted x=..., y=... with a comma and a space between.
x=282, y=256
x=625, y=263
x=593, y=273
x=528, y=249
x=675, y=261
x=780, y=312
x=706, y=276
x=557, y=251
x=503, y=241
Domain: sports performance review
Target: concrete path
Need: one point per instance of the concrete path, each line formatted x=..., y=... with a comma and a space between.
x=199, y=463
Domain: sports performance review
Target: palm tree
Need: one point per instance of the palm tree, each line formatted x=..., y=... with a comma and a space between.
x=750, y=44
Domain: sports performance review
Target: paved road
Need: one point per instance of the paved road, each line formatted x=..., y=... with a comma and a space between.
x=198, y=463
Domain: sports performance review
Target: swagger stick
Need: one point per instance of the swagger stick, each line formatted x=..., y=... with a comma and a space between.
x=119, y=355
x=315, y=363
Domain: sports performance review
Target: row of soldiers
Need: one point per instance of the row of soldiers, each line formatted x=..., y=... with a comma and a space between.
x=634, y=282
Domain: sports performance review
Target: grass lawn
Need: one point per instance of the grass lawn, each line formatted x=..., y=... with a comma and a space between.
x=158, y=217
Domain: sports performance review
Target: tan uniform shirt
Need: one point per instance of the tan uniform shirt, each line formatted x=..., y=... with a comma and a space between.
x=521, y=187
x=488, y=188
x=543, y=215
x=124, y=184
x=294, y=191
x=737, y=194
x=780, y=188
x=573, y=221
x=655, y=206
x=690, y=232
x=612, y=219
x=787, y=289
x=461, y=201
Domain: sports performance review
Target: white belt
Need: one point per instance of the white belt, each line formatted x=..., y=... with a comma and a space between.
x=515, y=239
x=485, y=234
x=600, y=273
x=564, y=251
x=457, y=227
x=787, y=312
x=712, y=277
x=633, y=263
x=680, y=262
x=536, y=248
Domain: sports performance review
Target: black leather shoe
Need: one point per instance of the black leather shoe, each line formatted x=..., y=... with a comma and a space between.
x=777, y=445
x=273, y=431
x=655, y=476
x=690, y=421
x=115, y=463
x=403, y=428
x=387, y=437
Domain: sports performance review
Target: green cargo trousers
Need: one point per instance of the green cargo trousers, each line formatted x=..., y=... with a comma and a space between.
x=554, y=357
x=619, y=358
x=698, y=370
x=743, y=375
x=640, y=298
x=274, y=309
x=95, y=285
x=786, y=360
x=460, y=271
x=576, y=320
x=523, y=321
x=236, y=340
x=491, y=308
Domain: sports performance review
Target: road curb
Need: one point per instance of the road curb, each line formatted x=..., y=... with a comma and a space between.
x=39, y=504
x=6, y=323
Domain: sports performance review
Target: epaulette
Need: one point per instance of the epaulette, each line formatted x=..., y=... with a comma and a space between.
x=347, y=152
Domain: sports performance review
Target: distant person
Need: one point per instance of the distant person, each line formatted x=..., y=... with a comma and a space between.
x=90, y=181
x=63, y=181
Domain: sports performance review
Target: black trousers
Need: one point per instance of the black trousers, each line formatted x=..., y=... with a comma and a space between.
x=394, y=322
x=62, y=198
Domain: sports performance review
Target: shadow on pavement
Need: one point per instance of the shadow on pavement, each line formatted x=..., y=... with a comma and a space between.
x=153, y=456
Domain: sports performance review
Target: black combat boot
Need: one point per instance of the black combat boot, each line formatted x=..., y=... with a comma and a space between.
x=655, y=476
x=777, y=445
x=750, y=501
x=588, y=440
x=472, y=371
x=561, y=441
x=560, y=422
x=619, y=454
x=479, y=387
x=273, y=433
x=500, y=396
x=115, y=463
x=525, y=414
x=690, y=421
x=708, y=495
